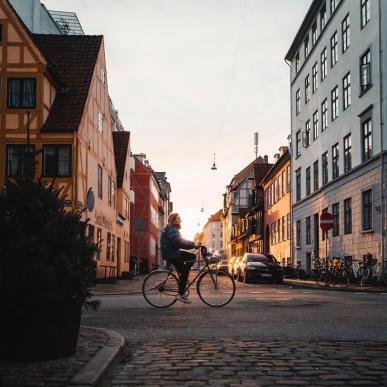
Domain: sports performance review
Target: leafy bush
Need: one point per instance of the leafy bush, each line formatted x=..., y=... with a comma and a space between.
x=45, y=258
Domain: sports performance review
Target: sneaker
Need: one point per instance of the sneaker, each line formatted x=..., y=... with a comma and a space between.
x=183, y=298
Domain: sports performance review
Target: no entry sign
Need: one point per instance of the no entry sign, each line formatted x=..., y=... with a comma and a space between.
x=326, y=221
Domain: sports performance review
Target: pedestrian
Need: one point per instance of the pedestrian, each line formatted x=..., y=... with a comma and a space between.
x=172, y=243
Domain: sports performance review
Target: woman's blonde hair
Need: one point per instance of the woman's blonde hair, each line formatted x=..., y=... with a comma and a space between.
x=172, y=218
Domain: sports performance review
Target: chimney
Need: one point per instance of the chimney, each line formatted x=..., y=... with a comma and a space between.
x=266, y=159
x=277, y=157
x=141, y=157
x=283, y=150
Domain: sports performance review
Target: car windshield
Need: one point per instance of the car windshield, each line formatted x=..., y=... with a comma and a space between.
x=260, y=258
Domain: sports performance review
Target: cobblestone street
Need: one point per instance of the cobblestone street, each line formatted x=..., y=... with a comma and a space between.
x=253, y=363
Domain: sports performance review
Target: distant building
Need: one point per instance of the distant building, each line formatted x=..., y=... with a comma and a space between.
x=212, y=232
x=277, y=208
x=237, y=202
x=338, y=62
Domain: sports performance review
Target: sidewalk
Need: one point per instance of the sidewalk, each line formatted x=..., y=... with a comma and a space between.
x=133, y=286
x=97, y=352
x=352, y=288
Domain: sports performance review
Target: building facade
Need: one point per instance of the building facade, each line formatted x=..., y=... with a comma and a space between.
x=212, y=232
x=237, y=202
x=337, y=65
x=55, y=105
x=277, y=208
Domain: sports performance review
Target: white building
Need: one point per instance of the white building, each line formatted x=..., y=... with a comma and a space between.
x=337, y=61
x=212, y=232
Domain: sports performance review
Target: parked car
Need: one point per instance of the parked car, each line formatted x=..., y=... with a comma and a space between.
x=260, y=267
x=223, y=265
x=231, y=265
x=235, y=267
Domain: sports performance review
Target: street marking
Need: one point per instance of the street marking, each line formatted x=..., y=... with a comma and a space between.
x=307, y=292
x=256, y=292
x=282, y=292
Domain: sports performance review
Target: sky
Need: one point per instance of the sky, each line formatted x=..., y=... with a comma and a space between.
x=191, y=78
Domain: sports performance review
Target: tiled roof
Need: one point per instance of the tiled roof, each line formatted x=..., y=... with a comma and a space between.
x=120, y=143
x=256, y=169
x=72, y=59
x=216, y=217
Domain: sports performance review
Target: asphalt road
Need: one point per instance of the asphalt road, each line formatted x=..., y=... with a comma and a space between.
x=262, y=312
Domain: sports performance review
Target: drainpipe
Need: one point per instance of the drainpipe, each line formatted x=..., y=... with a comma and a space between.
x=381, y=130
x=292, y=250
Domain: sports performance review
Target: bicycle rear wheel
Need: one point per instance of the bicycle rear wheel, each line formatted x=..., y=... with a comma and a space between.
x=160, y=288
x=366, y=273
x=321, y=277
x=343, y=278
x=216, y=289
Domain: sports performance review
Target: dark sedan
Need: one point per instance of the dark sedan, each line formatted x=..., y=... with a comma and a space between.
x=260, y=267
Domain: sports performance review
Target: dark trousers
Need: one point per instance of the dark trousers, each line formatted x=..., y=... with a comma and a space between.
x=183, y=265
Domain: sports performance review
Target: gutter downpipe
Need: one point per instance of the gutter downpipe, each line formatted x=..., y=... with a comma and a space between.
x=381, y=133
x=292, y=252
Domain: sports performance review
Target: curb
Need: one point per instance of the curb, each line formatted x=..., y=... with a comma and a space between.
x=313, y=286
x=96, y=371
x=115, y=294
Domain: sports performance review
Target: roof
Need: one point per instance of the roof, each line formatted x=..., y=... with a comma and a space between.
x=73, y=59
x=216, y=217
x=277, y=166
x=305, y=25
x=253, y=168
x=121, y=145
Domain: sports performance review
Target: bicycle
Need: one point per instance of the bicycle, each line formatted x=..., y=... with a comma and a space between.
x=215, y=287
x=336, y=275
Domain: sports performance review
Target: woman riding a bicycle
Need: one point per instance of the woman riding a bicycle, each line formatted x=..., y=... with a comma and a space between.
x=171, y=243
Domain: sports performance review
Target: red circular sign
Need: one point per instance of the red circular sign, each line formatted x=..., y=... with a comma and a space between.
x=326, y=221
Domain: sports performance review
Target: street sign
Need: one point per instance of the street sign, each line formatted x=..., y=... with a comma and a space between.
x=326, y=221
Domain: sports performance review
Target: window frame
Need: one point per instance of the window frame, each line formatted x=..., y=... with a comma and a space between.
x=335, y=161
x=100, y=182
x=323, y=64
x=335, y=103
x=334, y=49
x=315, y=125
x=347, y=100
x=315, y=176
x=336, y=219
x=308, y=229
x=324, y=114
x=11, y=79
x=307, y=182
x=315, y=77
x=347, y=146
x=368, y=138
x=57, y=147
x=364, y=4
x=307, y=89
x=367, y=62
x=345, y=33
x=324, y=168
x=20, y=160
x=348, y=216
x=298, y=184
x=298, y=102
x=369, y=225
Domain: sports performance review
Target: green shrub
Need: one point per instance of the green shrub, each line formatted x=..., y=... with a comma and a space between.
x=45, y=258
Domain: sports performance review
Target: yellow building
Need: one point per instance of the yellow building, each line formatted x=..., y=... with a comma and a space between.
x=55, y=102
x=277, y=208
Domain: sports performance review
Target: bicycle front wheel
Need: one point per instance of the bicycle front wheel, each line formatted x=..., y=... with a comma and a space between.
x=160, y=288
x=216, y=289
x=343, y=278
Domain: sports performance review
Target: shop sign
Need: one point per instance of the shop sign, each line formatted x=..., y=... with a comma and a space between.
x=103, y=221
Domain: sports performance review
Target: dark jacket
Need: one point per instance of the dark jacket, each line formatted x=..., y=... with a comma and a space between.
x=171, y=241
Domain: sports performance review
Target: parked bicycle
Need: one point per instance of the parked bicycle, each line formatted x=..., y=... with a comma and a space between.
x=367, y=270
x=336, y=275
x=215, y=287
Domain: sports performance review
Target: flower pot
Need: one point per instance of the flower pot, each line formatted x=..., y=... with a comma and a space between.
x=50, y=334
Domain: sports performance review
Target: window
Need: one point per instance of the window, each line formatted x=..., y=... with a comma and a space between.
x=298, y=143
x=315, y=175
x=335, y=161
x=283, y=183
x=336, y=219
x=20, y=160
x=126, y=252
x=348, y=216
x=298, y=184
x=21, y=93
x=113, y=248
x=298, y=233
x=279, y=187
x=306, y=138
x=324, y=163
x=365, y=71
x=334, y=53
x=279, y=230
x=314, y=78
x=99, y=181
x=323, y=16
x=288, y=226
x=298, y=100
x=288, y=179
x=108, y=246
x=335, y=103
x=307, y=89
x=314, y=33
x=99, y=243
x=1, y=33
x=324, y=233
x=334, y=5
x=367, y=139
x=365, y=12
x=57, y=160
x=275, y=232
x=367, y=209
x=324, y=115
x=324, y=68
x=347, y=153
x=346, y=34
x=307, y=229
x=307, y=180
x=346, y=91
x=306, y=46
x=297, y=62
x=114, y=191
x=283, y=228
x=315, y=125
x=109, y=187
